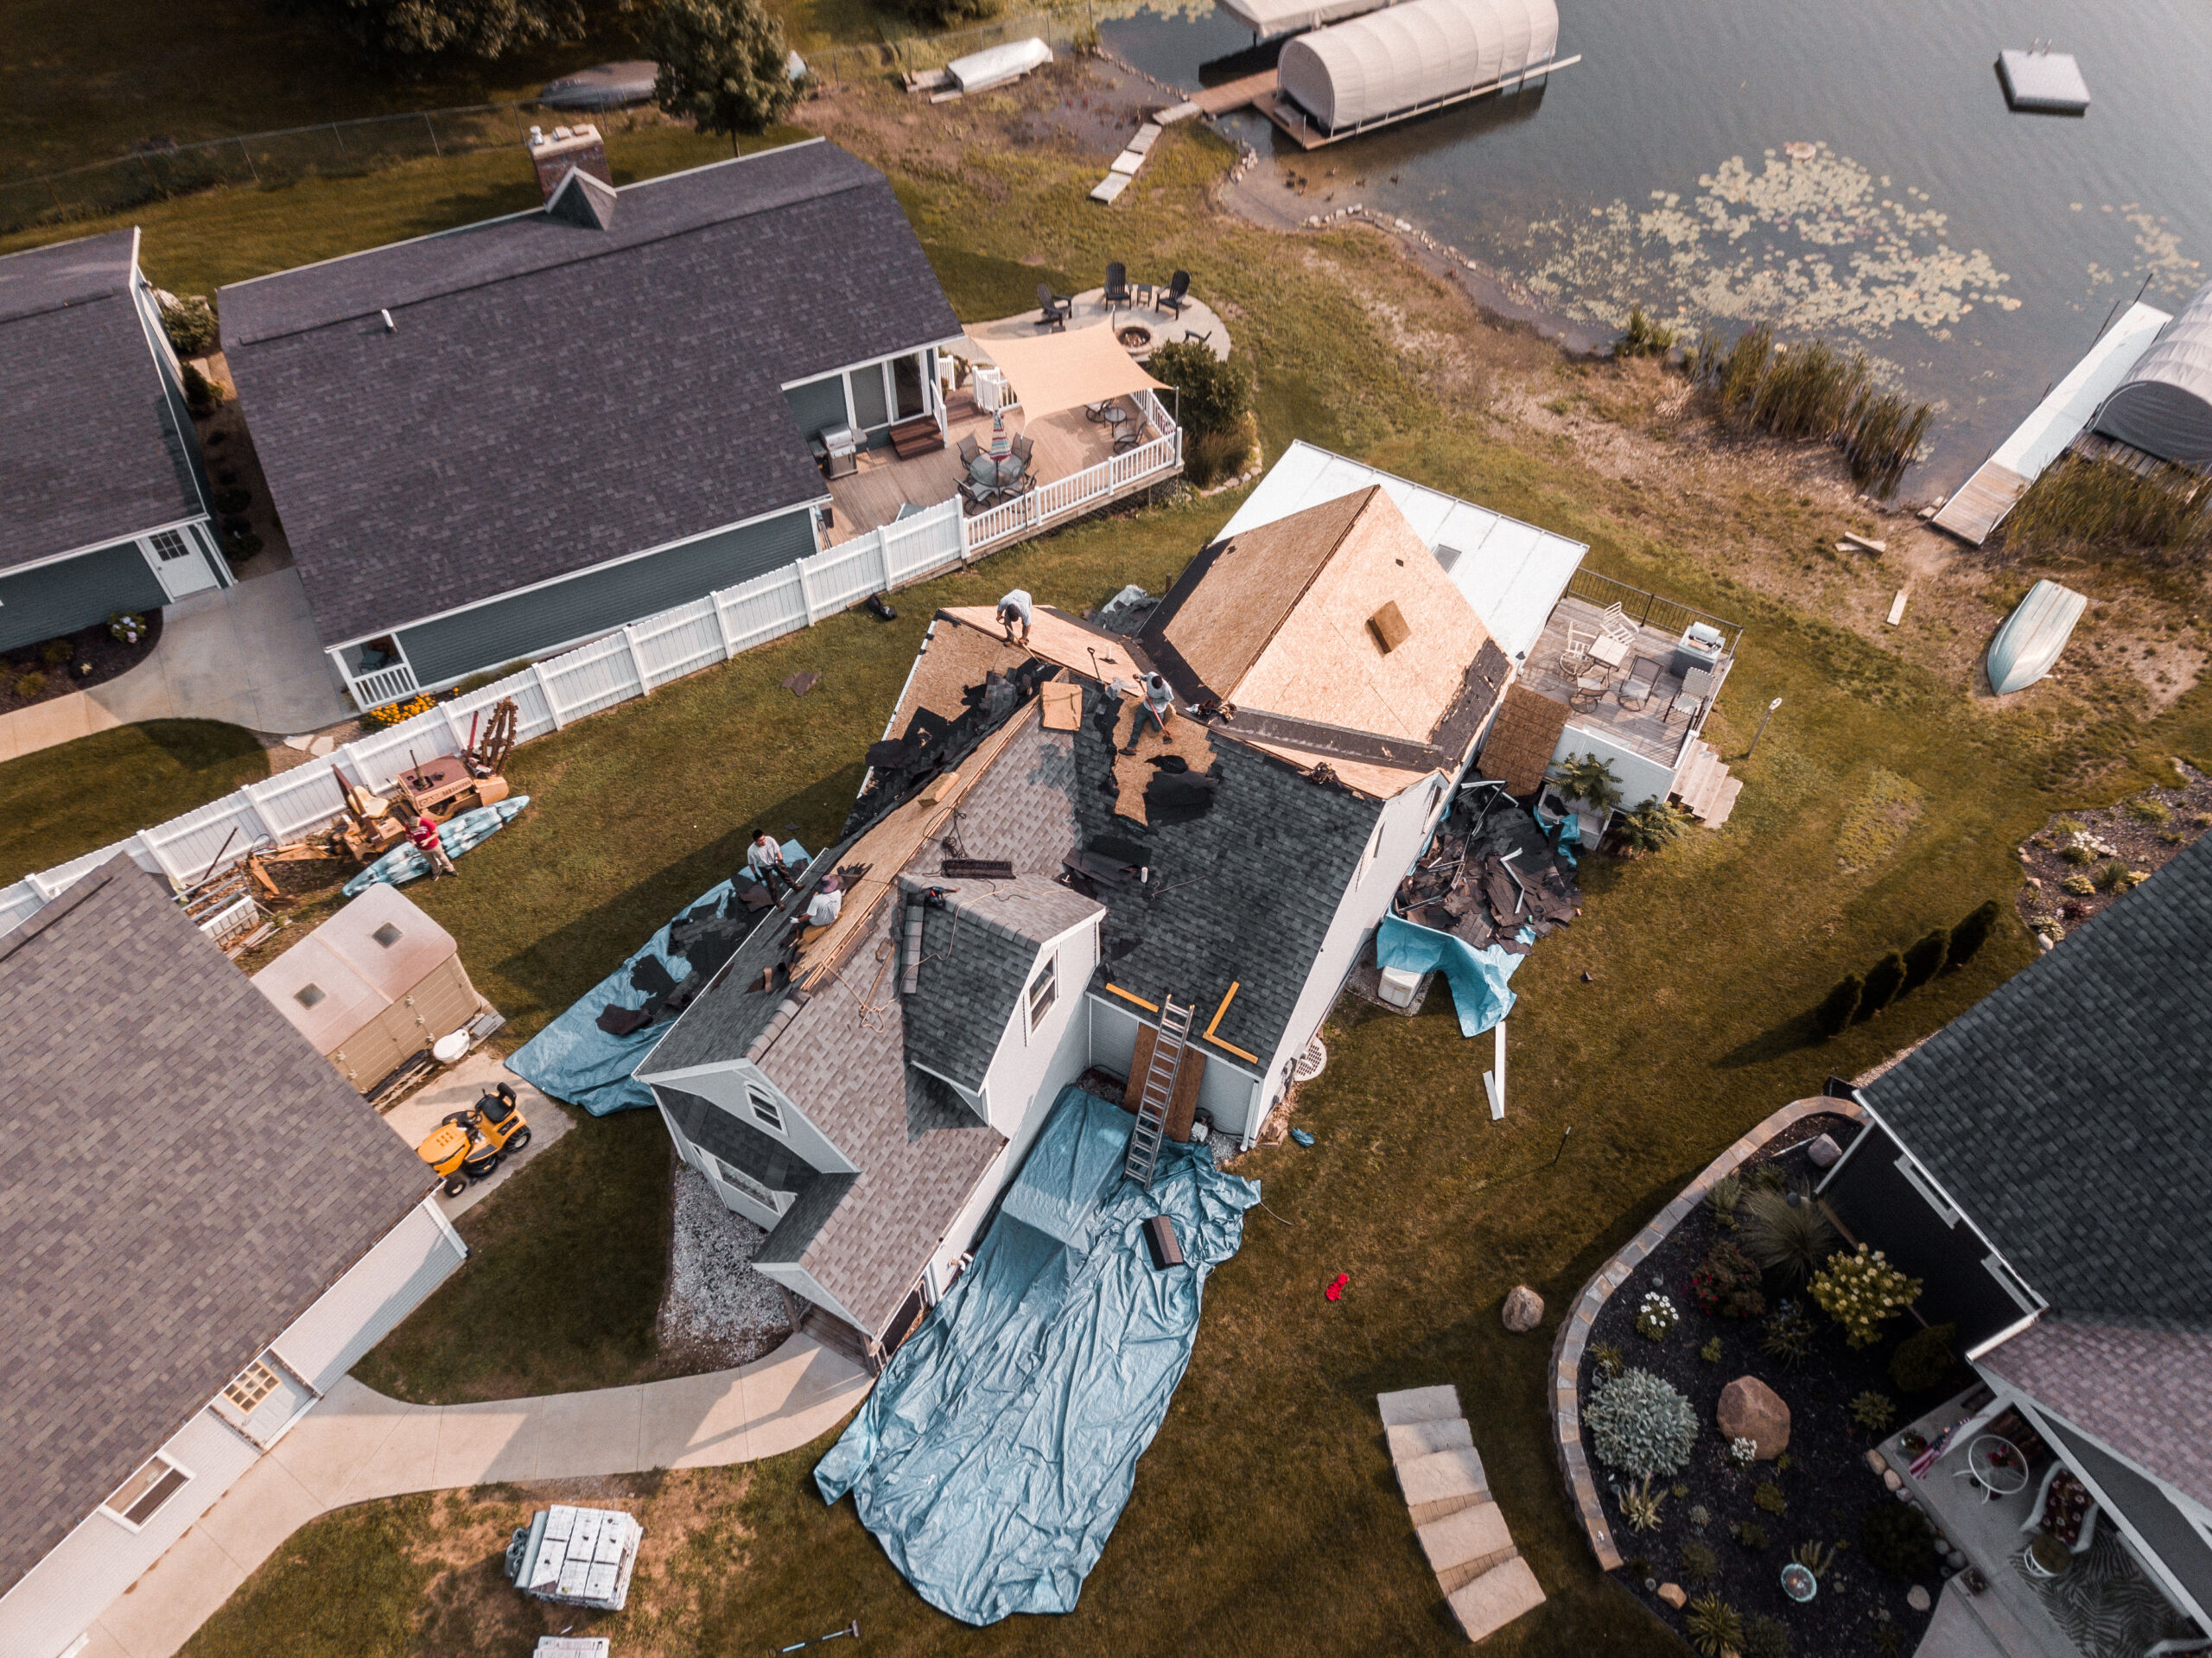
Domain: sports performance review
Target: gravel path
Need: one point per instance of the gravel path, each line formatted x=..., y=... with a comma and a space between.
x=718, y=1309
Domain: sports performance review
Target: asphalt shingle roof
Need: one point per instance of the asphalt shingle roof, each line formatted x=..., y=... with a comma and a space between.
x=2145, y=1393
x=552, y=396
x=92, y=452
x=976, y=955
x=183, y=1174
x=2067, y=1109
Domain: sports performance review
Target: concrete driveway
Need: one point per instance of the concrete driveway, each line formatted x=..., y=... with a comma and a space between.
x=247, y=654
x=457, y=1088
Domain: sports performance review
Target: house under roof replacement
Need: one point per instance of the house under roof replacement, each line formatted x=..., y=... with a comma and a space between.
x=493, y=442
x=202, y=1227
x=2041, y=1162
x=102, y=500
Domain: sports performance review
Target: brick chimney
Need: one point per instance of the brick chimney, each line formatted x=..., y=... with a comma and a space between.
x=555, y=153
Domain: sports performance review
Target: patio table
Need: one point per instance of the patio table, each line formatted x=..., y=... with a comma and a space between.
x=1996, y=1464
x=1611, y=652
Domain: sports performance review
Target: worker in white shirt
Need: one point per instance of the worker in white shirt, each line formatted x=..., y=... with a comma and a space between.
x=829, y=901
x=1017, y=608
x=1159, y=699
x=766, y=860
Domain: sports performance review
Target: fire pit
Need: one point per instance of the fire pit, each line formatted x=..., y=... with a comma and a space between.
x=1135, y=336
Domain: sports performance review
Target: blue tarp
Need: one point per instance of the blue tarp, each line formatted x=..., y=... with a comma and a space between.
x=999, y=1448
x=1476, y=976
x=573, y=1059
x=1570, y=833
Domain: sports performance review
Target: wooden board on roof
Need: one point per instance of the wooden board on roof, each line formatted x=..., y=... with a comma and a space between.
x=1381, y=782
x=1059, y=638
x=1522, y=739
x=1183, y=1104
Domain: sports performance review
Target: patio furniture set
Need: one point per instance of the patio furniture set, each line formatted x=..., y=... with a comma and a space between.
x=998, y=473
x=1169, y=297
x=1594, y=656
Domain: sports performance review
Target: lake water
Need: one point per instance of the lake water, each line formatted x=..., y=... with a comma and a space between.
x=1843, y=170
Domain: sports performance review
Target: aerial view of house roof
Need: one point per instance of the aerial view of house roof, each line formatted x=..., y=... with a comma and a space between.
x=185, y=1175
x=92, y=453
x=458, y=415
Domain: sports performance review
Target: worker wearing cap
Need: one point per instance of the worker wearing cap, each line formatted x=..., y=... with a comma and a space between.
x=424, y=835
x=766, y=860
x=1016, y=608
x=828, y=903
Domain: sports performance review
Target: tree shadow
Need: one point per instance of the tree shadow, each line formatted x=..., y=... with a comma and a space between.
x=1775, y=1042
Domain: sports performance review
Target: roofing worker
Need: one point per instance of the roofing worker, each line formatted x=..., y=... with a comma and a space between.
x=424, y=835
x=829, y=901
x=1159, y=699
x=1016, y=608
x=766, y=860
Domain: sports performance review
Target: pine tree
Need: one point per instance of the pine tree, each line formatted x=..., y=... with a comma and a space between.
x=1833, y=1017
x=1925, y=959
x=1884, y=980
x=1972, y=933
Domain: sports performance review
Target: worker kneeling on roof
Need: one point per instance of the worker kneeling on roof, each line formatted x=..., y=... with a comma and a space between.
x=1015, y=610
x=829, y=901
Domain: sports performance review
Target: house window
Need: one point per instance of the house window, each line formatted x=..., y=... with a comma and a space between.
x=387, y=935
x=251, y=1386
x=309, y=994
x=1043, y=988
x=170, y=544
x=140, y=1497
x=734, y=1176
x=766, y=1111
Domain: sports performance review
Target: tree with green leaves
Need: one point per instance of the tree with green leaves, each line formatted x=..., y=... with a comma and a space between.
x=1926, y=958
x=1833, y=1016
x=476, y=29
x=1590, y=781
x=724, y=65
x=1210, y=395
x=1884, y=981
x=1972, y=933
x=1651, y=827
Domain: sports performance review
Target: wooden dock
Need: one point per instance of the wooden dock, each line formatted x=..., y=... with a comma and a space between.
x=1973, y=511
x=1236, y=94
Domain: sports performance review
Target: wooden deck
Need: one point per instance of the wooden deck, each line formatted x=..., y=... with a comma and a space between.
x=1973, y=512
x=1067, y=443
x=1236, y=94
x=1654, y=731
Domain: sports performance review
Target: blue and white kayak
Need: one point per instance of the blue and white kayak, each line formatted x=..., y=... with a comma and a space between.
x=404, y=863
x=2028, y=645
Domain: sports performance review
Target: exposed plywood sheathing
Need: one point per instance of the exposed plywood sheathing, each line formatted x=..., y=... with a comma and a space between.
x=1059, y=638
x=1063, y=705
x=1249, y=588
x=1521, y=741
x=953, y=659
x=1185, y=738
x=1182, y=1106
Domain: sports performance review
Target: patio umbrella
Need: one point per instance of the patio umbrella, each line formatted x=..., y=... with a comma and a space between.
x=1059, y=372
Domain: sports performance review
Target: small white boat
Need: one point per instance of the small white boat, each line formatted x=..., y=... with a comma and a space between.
x=2027, y=647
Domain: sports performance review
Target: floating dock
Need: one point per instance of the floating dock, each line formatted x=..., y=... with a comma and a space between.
x=1979, y=504
x=2043, y=82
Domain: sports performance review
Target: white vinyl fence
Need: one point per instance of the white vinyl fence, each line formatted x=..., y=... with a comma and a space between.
x=631, y=661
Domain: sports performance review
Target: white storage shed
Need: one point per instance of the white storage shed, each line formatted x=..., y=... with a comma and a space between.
x=2164, y=405
x=1406, y=57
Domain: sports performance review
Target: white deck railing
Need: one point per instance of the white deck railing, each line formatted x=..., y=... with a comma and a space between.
x=1063, y=497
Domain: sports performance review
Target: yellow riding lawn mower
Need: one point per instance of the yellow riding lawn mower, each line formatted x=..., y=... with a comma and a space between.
x=469, y=1145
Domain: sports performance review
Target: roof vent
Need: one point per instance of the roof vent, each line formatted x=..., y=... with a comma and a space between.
x=389, y=326
x=307, y=994
x=1388, y=628
x=387, y=935
x=1448, y=556
x=579, y=147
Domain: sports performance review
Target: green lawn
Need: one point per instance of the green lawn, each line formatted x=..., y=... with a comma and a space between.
x=64, y=802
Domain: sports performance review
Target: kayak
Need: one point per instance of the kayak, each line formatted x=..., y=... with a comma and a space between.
x=404, y=863
x=2027, y=647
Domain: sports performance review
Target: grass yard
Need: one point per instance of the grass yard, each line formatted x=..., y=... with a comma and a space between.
x=61, y=803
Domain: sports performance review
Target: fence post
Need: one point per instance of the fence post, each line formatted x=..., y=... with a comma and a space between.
x=354, y=763
x=453, y=727
x=545, y=689
x=427, y=126
x=249, y=167
x=722, y=624
x=637, y=662
x=805, y=592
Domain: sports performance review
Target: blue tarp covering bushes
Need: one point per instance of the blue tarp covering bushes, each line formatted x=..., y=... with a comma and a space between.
x=1476, y=976
x=573, y=1059
x=998, y=1449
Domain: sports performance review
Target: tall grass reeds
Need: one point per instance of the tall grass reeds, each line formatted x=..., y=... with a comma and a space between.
x=1812, y=393
x=1642, y=336
x=2165, y=510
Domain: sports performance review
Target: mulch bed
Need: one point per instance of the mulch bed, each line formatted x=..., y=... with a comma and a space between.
x=1827, y=1486
x=2137, y=838
x=89, y=647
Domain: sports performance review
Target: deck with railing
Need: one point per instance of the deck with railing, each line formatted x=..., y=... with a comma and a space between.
x=1658, y=730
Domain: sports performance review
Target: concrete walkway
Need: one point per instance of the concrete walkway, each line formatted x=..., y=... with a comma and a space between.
x=456, y=1088
x=247, y=654
x=357, y=1444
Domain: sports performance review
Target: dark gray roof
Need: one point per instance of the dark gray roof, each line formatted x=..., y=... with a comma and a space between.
x=738, y=1143
x=2066, y=1109
x=552, y=396
x=92, y=452
x=183, y=1174
x=977, y=955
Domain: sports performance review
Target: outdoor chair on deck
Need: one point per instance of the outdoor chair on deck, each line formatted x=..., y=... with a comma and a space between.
x=968, y=450
x=1175, y=296
x=1127, y=436
x=1054, y=309
x=1636, y=690
x=1117, y=285
x=1574, y=661
x=978, y=496
x=1024, y=446
x=1614, y=624
x=1697, y=685
x=1197, y=337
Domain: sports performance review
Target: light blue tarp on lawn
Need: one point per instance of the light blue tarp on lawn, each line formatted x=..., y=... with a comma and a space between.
x=999, y=1448
x=573, y=1059
x=1476, y=976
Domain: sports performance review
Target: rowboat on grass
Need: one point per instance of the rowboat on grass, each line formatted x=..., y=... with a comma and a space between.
x=2028, y=645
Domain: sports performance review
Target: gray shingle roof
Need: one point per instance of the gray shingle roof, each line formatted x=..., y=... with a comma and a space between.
x=977, y=955
x=2146, y=1393
x=92, y=452
x=183, y=1175
x=553, y=396
x=2067, y=1109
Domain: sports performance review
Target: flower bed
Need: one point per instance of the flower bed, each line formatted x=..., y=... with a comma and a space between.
x=73, y=662
x=1720, y=1528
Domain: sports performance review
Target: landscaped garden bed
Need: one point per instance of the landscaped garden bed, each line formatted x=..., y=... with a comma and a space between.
x=1706, y=1520
x=76, y=662
x=2080, y=862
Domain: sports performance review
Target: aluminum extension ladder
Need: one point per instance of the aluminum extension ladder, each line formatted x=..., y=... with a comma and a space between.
x=1156, y=1090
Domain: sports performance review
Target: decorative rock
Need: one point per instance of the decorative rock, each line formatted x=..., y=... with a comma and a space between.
x=1524, y=1310
x=1824, y=1152
x=1956, y=1559
x=1875, y=1461
x=1891, y=1479
x=1751, y=1410
x=1672, y=1595
x=1918, y=1598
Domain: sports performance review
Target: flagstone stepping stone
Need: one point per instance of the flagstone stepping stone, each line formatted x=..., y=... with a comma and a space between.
x=1496, y=1598
x=1462, y=1547
x=1426, y=1439
x=1442, y=1483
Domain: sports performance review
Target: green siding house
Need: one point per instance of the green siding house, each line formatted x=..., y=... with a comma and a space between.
x=104, y=502
x=496, y=443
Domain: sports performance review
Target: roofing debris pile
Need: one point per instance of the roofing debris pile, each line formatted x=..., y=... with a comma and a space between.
x=1500, y=881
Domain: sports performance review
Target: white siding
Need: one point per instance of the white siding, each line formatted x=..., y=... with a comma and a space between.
x=1023, y=1074
x=363, y=1307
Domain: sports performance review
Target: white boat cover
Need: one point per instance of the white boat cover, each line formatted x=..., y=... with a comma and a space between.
x=1407, y=55
x=1268, y=18
x=2164, y=405
x=998, y=64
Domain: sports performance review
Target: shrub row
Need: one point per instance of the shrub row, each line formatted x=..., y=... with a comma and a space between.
x=1860, y=996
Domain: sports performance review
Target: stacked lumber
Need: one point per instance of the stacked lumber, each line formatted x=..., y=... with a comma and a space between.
x=1484, y=1578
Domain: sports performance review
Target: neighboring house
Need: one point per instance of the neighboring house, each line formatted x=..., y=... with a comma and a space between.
x=494, y=443
x=103, y=502
x=865, y=1090
x=2042, y=1163
x=202, y=1227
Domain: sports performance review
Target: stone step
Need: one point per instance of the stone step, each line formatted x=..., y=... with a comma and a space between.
x=1414, y=1440
x=1441, y=1483
x=1496, y=1598
x=1689, y=782
x=1723, y=801
x=1439, y=1404
x=1462, y=1547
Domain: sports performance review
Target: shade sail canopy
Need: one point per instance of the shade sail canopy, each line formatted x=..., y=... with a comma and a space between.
x=1061, y=371
x=1407, y=55
x=2164, y=405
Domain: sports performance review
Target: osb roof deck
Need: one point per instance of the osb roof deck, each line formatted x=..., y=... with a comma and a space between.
x=1654, y=731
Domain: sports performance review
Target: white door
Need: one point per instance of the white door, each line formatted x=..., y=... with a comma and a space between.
x=177, y=558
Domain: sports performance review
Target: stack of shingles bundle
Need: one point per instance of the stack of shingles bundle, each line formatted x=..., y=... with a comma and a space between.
x=1488, y=885
x=1461, y=1531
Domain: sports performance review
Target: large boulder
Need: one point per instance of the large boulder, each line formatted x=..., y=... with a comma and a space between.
x=1751, y=1410
x=1524, y=1310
